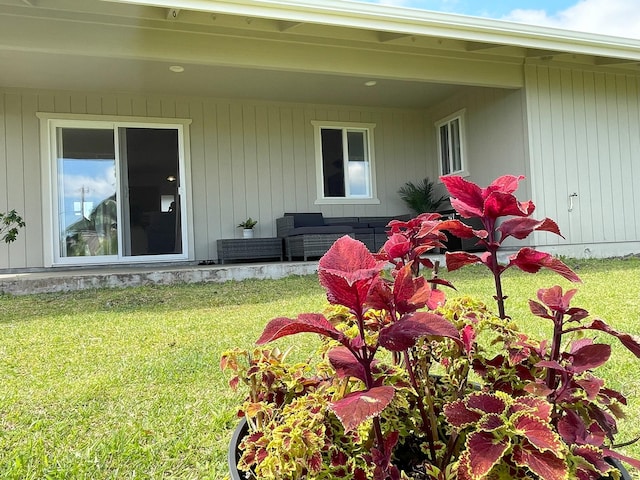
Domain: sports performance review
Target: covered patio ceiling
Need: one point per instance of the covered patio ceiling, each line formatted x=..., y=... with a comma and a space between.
x=116, y=75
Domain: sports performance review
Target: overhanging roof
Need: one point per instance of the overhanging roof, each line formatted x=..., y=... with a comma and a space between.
x=306, y=51
x=407, y=21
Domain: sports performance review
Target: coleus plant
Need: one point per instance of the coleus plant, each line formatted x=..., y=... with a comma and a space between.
x=373, y=408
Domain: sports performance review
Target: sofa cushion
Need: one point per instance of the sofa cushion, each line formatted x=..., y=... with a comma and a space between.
x=307, y=219
x=327, y=229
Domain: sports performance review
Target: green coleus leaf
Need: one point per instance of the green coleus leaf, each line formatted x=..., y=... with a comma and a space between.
x=537, y=431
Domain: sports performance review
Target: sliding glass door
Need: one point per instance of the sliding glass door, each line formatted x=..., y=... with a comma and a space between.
x=117, y=193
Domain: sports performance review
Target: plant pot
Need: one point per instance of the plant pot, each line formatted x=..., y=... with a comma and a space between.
x=247, y=233
x=624, y=475
x=233, y=455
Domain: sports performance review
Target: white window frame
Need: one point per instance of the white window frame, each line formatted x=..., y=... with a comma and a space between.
x=345, y=127
x=49, y=122
x=448, y=121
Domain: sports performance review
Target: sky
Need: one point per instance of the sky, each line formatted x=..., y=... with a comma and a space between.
x=609, y=17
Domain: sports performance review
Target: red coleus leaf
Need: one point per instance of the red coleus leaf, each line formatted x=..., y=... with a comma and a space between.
x=501, y=204
x=505, y=183
x=632, y=342
x=534, y=405
x=572, y=428
x=594, y=457
x=410, y=293
x=555, y=299
x=405, y=332
x=382, y=458
x=490, y=422
x=380, y=295
x=468, y=337
x=345, y=364
x=315, y=462
x=459, y=416
x=631, y=461
x=460, y=259
x=538, y=388
x=486, y=403
x=398, y=246
x=546, y=465
x=436, y=299
x=537, y=431
x=539, y=310
x=485, y=451
x=457, y=228
x=531, y=261
x=306, y=322
x=359, y=406
x=468, y=199
x=522, y=227
x=590, y=357
x=347, y=271
x=591, y=386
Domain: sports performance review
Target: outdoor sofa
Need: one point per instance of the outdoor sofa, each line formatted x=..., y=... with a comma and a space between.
x=311, y=234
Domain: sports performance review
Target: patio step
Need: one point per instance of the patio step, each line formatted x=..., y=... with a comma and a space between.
x=65, y=280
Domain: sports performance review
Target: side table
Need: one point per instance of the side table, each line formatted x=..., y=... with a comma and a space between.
x=249, y=249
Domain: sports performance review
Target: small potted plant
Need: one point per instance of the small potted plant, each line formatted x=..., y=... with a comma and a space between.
x=247, y=227
x=421, y=197
x=412, y=385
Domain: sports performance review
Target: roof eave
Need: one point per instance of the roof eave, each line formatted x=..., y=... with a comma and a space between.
x=351, y=14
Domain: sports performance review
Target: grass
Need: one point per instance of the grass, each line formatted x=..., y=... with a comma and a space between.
x=125, y=384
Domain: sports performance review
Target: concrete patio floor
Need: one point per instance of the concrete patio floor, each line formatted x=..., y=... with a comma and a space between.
x=80, y=278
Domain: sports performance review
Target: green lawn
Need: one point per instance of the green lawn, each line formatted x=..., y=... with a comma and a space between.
x=125, y=383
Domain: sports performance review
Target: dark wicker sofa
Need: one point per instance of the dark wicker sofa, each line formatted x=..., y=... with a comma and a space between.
x=311, y=234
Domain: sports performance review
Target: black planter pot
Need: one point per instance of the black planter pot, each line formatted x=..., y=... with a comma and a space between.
x=233, y=455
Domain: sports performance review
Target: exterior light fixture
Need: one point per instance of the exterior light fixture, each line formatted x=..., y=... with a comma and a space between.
x=171, y=178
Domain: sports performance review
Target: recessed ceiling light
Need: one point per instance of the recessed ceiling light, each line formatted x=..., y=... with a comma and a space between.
x=176, y=68
x=370, y=83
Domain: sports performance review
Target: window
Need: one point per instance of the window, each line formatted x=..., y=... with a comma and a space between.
x=450, y=133
x=111, y=182
x=344, y=162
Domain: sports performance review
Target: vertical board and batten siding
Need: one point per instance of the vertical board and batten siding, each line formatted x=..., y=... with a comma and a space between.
x=585, y=140
x=495, y=134
x=247, y=159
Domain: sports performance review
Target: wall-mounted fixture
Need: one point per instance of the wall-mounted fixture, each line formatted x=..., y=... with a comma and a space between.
x=171, y=178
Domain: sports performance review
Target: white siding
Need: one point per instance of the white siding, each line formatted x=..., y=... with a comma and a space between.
x=585, y=139
x=247, y=159
x=495, y=134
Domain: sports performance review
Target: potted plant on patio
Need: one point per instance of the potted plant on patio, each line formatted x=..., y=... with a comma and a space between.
x=247, y=227
x=412, y=385
x=421, y=197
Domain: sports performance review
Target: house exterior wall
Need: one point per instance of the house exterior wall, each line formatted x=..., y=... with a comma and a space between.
x=247, y=159
x=495, y=133
x=584, y=128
